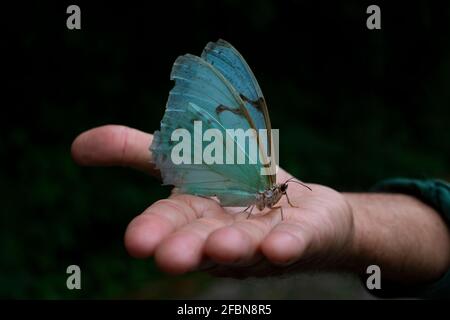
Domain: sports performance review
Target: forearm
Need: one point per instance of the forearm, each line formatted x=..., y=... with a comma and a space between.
x=406, y=238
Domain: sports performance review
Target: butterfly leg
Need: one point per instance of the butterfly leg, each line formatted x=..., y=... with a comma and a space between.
x=289, y=201
x=281, y=210
x=251, y=209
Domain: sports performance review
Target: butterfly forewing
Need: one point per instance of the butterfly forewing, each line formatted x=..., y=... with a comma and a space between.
x=212, y=95
x=230, y=63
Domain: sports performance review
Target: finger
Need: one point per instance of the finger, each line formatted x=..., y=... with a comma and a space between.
x=114, y=145
x=182, y=251
x=287, y=242
x=238, y=244
x=148, y=230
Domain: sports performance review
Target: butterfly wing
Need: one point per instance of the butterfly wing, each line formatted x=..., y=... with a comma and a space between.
x=201, y=93
x=230, y=63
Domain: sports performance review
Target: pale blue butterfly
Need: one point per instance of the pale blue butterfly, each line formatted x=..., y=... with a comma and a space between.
x=220, y=90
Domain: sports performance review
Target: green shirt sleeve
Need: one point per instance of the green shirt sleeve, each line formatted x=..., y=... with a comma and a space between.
x=435, y=193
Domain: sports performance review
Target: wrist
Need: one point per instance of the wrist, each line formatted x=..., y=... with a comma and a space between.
x=407, y=239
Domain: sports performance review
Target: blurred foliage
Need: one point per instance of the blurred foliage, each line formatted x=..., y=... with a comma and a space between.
x=353, y=106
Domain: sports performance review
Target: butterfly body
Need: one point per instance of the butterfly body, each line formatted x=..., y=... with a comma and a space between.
x=268, y=198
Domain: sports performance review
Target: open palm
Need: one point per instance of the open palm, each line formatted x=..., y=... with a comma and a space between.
x=186, y=233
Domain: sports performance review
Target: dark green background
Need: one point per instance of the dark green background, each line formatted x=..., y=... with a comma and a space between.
x=353, y=106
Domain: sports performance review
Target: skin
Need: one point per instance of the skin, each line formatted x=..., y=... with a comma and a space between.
x=327, y=230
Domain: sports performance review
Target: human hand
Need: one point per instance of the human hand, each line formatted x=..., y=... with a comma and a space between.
x=185, y=233
x=327, y=230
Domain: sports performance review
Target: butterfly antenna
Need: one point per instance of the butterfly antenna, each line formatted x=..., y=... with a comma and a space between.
x=300, y=183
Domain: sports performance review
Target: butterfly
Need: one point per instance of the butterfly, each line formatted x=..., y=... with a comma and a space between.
x=218, y=90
